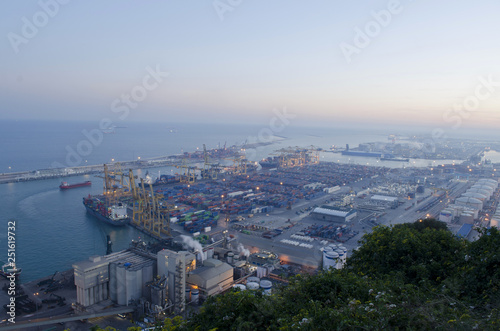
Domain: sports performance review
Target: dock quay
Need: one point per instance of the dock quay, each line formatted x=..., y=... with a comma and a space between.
x=25, y=176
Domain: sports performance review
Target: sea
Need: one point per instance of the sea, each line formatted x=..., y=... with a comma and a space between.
x=52, y=229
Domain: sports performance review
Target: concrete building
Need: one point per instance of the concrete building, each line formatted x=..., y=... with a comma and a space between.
x=332, y=214
x=120, y=276
x=175, y=266
x=212, y=278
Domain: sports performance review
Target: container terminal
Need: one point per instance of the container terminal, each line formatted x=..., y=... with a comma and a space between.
x=238, y=226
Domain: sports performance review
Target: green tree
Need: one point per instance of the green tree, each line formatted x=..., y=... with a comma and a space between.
x=414, y=252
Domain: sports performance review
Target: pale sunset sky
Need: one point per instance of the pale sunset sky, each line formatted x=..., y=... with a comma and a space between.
x=400, y=62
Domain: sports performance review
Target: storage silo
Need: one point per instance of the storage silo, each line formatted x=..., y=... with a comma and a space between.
x=112, y=282
x=487, y=188
x=253, y=279
x=330, y=259
x=252, y=286
x=266, y=285
x=195, y=296
x=467, y=218
x=188, y=294
x=240, y=287
x=469, y=202
x=475, y=195
x=121, y=285
x=489, y=181
x=446, y=216
x=230, y=256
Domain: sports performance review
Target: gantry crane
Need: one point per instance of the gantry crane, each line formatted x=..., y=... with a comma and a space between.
x=297, y=156
x=188, y=174
x=116, y=185
x=210, y=170
x=149, y=213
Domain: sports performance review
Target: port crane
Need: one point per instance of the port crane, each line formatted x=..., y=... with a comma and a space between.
x=188, y=174
x=210, y=170
x=116, y=184
x=296, y=156
x=149, y=213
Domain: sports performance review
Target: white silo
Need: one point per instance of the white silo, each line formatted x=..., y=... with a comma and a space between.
x=266, y=285
x=252, y=286
x=330, y=259
x=467, y=218
x=195, y=296
x=446, y=216
x=188, y=294
x=240, y=287
x=475, y=195
x=469, y=202
x=481, y=190
x=253, y=279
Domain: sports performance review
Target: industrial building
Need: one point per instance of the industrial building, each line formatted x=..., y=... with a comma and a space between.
x=212, y=278
x=334, y=214
x=175, y=266
x=120, y=276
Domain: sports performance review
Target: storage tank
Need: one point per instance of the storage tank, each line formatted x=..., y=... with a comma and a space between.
x=492, y=182
x=467, y=218
x=253, y=279
x=266, y=285
x=469, y=202
x=252, y=286
x=475, y=195
x=240, y=287
x=210, y=253
x=230, y=257
x=333, y=246
x=480, y=190
x=188, y=294
x=195, y=296
x=446, y=216
x=330, y=259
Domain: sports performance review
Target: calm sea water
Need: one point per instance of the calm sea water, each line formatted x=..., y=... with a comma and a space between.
x=52, y=227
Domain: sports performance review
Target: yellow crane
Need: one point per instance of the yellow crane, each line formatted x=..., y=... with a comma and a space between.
x=149, y=213
x=188, y=173
x=116, y=185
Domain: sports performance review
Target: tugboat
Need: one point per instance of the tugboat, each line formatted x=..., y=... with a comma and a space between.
x=65, y=185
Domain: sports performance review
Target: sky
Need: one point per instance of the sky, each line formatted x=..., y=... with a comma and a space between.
x=407, y=62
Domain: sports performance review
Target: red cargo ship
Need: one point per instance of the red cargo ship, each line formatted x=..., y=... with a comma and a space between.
x=65, y=185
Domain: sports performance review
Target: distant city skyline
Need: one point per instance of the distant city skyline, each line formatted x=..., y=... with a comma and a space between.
x=401, y=62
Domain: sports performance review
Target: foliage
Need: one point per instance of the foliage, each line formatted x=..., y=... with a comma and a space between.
x=417, y=252
x=408, y=277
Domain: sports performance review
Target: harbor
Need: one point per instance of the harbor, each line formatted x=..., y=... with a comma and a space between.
x=242, y=226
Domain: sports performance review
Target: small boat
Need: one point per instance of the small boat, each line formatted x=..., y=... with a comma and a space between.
x=65, y=185
x=9, y=269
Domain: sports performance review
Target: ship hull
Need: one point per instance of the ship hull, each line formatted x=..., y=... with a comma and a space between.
x=66, y=187
x=103, y=218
